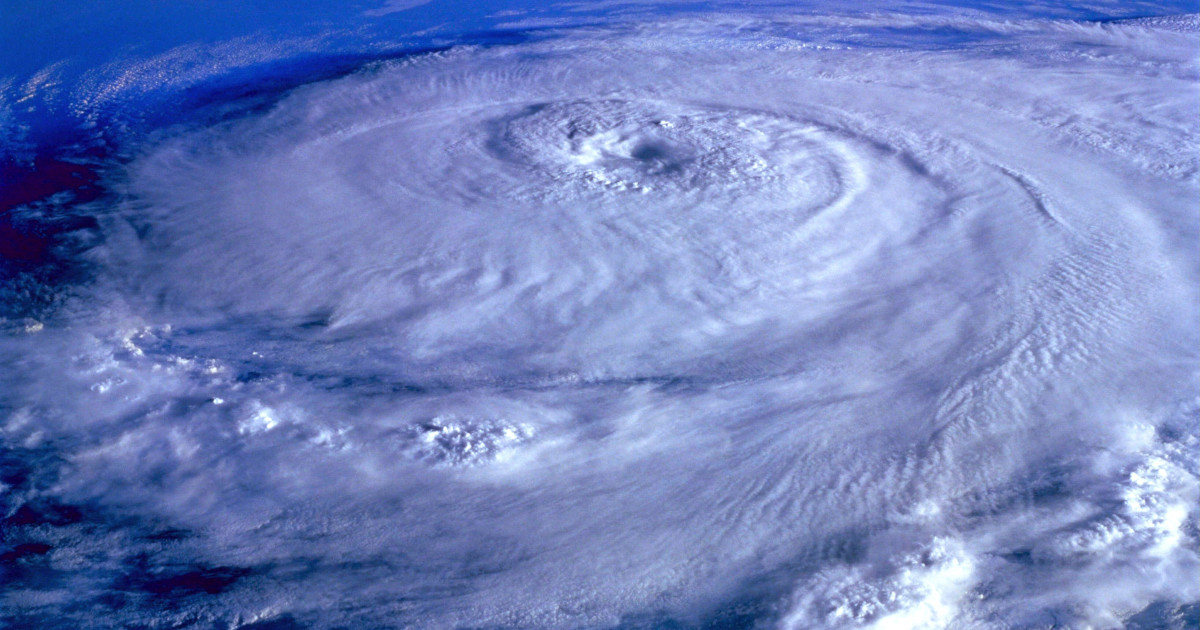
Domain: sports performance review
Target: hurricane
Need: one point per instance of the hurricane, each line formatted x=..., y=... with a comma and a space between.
x=634, y=315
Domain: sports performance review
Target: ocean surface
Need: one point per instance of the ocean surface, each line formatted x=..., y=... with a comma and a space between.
x=606, y=315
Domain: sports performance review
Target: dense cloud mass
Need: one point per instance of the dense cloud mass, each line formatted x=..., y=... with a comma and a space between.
x=707, y=320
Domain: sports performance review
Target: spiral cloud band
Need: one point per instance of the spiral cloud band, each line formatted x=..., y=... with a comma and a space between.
x=706, y=321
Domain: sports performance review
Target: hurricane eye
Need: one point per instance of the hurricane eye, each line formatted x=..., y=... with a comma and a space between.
x=651, y=152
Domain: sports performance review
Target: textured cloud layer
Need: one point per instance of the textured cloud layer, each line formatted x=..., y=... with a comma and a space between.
x=874, y=322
